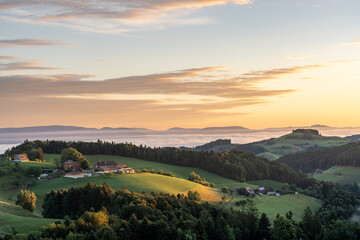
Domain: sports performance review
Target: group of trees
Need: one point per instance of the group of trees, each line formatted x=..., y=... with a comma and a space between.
x=346, y=155
x=36, y=154
x=337, y=203
x=99, y=212
x=236, y=164
x=196, y=178
x=26, y=200
x=75, y=156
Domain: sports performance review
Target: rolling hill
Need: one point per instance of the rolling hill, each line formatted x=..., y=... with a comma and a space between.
x=141, y=182
x=299, y=140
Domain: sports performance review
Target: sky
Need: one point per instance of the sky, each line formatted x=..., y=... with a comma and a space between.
x=160, y=64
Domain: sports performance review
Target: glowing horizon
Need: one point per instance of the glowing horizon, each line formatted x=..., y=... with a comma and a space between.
x=160, y=64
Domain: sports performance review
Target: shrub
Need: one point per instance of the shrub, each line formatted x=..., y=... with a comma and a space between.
x=26, y=200
x=224, y=189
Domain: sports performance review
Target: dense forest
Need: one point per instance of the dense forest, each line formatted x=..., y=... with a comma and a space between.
x=210, y=145
x=236, y=164
x=346, y=155
x=98, y=212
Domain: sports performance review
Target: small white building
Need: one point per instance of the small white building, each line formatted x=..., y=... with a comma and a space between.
x=43, y=175
x=126, y=170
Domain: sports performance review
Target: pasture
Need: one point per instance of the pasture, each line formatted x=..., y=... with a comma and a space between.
x=340, y=174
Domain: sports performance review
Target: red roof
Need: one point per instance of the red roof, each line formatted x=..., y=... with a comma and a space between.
x=120, y=166
x=22, y=157
x=73, y=165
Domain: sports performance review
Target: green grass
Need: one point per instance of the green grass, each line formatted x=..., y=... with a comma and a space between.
x=274, y=184
x=15, y=210
x=20, y=223
x=288, y=144
x=272, y=205
x=340, y=174
x=179, y=171
x=293, y=143
x=22, y=220
x=134, y=182
x=141, y=182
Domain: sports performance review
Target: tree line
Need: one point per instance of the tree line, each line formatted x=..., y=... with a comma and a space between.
x=98, y=212
x=236, y=164
x=346, y=155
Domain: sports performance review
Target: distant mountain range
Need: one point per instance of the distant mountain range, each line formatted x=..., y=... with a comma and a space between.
x=177, y=136
x=226, y=129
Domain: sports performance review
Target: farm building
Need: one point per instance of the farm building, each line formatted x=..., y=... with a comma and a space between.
x=70, y=165
x=111, y=166
x=318, y=171
x=246, y=191
x=77, y=174
x=273, y=194
x=286, y=192
x=107, y=169
x=264, y=189
x=21, y=158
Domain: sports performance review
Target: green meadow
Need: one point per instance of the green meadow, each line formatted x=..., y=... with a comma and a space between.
x=272, y=205
x=147, y=182
x=340, y=174
x=21, y=220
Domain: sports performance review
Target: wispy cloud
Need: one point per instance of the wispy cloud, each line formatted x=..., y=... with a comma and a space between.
x=25, y=65
x=197, y=94
x=8, y=57
x=115, y=16
x=202, y=85
x=28, y=42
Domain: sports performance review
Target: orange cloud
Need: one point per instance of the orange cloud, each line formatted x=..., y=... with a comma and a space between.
x=25, y=65
x=120, y=16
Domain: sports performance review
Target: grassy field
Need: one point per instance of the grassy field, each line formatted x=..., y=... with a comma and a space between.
x=288, y=144
x=21, y=224
x=272, y=205
x=134, y=182
x=22, y=220
x=274, y=184
x=179, y=171
x=143, y=182
x=340, y=174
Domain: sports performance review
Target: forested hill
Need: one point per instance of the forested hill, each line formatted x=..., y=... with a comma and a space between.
x=300, y=140
x=346, y=155
x=236, y=164
x=211, y=145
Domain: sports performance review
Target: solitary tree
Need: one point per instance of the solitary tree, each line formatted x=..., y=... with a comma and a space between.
x=71, y=154
x=26, y=200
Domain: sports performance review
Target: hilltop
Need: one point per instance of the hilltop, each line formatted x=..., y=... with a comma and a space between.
x=300, y=140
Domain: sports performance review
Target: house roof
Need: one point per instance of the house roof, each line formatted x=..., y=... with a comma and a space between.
x=74, y=165
x=119, y=166
x=22, y=157
x=107, y=168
